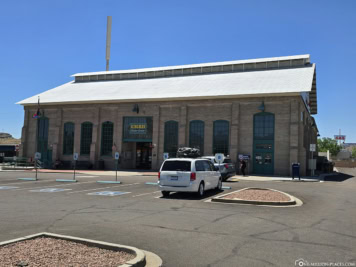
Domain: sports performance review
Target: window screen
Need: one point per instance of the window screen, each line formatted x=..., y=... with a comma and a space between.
x=171, y=138
x=196, y=135
x=85, y=138
x=68, y=138
x=221, y=137
x=264, y=126
x=107, y=132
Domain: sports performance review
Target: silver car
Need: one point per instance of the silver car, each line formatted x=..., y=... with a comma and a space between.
x=227, y=168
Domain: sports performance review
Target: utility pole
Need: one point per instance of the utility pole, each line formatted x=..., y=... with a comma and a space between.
x=108, y=41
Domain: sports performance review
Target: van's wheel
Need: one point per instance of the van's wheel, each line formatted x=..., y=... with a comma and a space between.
x=201, y=190
x=165, y=193
x=219, y=186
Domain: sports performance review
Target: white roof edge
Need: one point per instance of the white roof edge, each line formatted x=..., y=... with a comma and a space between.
x=162, y=99
x=245, y=61
x=22, y=101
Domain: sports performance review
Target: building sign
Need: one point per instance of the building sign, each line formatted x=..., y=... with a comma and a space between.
x=244, y=157
x=219, y=158
x=137, y=129
x=340, y=137
x=312, y=147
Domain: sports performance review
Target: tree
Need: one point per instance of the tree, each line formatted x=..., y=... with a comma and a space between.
x=325, y=144
x=353, y=152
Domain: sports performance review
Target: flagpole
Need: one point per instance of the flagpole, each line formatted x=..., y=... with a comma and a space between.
x=37, y=116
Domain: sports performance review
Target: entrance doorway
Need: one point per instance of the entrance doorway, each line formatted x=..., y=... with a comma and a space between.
x=143, y=155
x=263, y=158
x=263, y=143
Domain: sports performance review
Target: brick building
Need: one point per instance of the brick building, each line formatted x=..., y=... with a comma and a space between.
x=262, y=108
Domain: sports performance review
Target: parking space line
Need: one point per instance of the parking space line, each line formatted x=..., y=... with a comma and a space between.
x=147, y=193
x=101, y=188
x=39, y=181
x=49, y=190
x=53, y=186
x=108, y=193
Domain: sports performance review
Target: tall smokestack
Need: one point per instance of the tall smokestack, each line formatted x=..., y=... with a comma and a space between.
x=108, y=41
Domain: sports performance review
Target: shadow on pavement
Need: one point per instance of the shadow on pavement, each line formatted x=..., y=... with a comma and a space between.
x=228, y=181
x=192, y=196
x=338, y=178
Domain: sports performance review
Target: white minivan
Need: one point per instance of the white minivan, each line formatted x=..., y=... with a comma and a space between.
x=188, y=175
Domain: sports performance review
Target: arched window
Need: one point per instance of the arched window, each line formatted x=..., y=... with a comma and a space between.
x=264, y=126
x=85, y=138
x=171, y=138
x=221, y=137
x=68, y=138
x=107, y=133
x=42, y=134
x=196, y=135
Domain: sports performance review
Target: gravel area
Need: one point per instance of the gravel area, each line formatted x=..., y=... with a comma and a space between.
x=259, y=194
x=56, y=252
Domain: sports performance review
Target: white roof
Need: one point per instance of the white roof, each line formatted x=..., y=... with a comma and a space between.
x=222, y=85
x=245, y=61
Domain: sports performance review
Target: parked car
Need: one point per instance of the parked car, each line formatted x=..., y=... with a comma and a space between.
x=227, y=168
x=188, y=175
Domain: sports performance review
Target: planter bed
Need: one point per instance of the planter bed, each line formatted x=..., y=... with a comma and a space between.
x=47, y=249
x=257, y=196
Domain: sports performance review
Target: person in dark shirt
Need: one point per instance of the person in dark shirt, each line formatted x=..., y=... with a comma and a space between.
x=243, y=167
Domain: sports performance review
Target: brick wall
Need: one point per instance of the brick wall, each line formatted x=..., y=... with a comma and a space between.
x=289, y=128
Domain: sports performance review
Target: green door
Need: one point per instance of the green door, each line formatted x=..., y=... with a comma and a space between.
x=42, y=142
x=263, y=157
x=263, y=143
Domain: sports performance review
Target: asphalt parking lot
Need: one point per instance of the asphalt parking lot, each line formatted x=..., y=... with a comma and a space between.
x=185, y=230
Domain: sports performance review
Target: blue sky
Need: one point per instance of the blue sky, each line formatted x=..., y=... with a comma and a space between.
x=44, y=42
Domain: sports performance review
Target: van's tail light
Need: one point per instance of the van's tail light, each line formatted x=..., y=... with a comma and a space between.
x=193, y=176
x=226, y=166
x=159, y=175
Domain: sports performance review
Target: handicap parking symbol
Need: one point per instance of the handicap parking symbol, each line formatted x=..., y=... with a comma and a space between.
x=7, y=187
x=50, y=190
x=108, y=193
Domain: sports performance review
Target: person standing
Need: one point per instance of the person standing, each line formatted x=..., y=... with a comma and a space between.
x=243, y=167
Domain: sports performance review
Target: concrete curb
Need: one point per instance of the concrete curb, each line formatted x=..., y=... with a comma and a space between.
x=152, y=260
x=138, y=261
x=292, y=202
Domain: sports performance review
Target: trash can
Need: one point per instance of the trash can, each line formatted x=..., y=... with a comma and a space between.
x=296, y=170
x=101, y=165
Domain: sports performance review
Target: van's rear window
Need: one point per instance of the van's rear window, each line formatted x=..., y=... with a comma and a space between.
x=178, y=165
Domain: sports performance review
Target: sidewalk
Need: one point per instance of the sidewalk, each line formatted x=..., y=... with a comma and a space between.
x=92, y=172
x=276, y=178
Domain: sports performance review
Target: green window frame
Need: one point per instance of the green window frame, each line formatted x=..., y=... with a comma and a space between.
x=107, y=138
x=263, y=126
x=86, y=137
x=171, y=138
x=196, y=135
x=68, y=138
x=221, y=134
